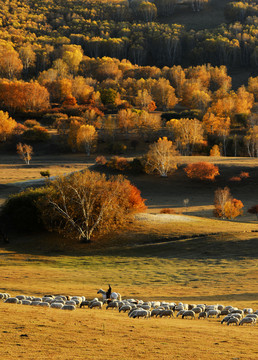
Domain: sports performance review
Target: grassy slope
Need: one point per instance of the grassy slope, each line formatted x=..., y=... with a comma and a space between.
x=150, y=262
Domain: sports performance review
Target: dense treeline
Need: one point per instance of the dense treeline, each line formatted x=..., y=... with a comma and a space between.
x=53, y=70
x=115, y=29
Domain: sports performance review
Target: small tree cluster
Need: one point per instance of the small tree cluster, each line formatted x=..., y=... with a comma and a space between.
x=25, y=151
x=225, y=205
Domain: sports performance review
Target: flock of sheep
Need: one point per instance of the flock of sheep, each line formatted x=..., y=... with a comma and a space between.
x=141, y=309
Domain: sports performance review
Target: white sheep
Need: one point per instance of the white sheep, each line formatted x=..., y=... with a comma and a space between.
x=180, y=313
x=95, y=304
x=247, y=320
x=25, y=302
x=12, y=300
x=125, y=308
x=233, y=320
x=202, y=315
x=68, y=307
x=112, y=305
x=44, y=304
x=57, y=305
x=166, y=313
x=189, y=313
x=248, y=311
x=212, y=313
x=35, y=302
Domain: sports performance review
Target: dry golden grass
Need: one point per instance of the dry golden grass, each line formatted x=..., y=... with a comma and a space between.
x=98, y=334
x=216, y=262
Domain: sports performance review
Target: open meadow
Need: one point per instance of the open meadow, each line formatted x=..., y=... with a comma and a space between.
x=190, y=257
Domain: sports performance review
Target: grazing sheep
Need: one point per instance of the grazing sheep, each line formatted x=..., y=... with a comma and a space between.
x=237, y=311
x=71, y=302
x=197, y=310
x=212, y=313
x=254, y=316
x=191, y=306
x=248, y=311
x=247, y=320
x=181, y=312
x=188, y=313
x=44, y=304
x=35, y=302
x=223, y=312
x=112, y=305
x=25, y=302
x=140, y=313
x=57, y=305
x=21, y=297
x=169, y=313
x=237, y=315
x=85, y=303
x=226, y=318
x=94, y=304
x=12, y=300
x=125, y=308
x=68, y=307
x=156, y=312
x=202, y=315
x=233, y=320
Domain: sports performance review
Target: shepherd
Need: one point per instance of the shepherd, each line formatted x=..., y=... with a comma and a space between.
x=108, y=293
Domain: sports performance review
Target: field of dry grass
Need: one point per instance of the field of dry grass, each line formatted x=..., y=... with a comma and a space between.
x=195, y=259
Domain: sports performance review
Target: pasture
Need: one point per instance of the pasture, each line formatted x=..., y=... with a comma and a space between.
x=194, y=259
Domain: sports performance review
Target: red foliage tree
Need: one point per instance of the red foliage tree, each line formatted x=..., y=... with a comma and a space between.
x=202, y=171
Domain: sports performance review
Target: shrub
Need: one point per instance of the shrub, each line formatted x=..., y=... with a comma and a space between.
x=118, y=163
x=31, y=123
x=37, y=134
x=117, y=148
x=167, y=211
x=20, y=211
x=101, y=160
x=235, y=178
x=202, y=171
x=253, y=210
x=244, y=175
x=45, y=173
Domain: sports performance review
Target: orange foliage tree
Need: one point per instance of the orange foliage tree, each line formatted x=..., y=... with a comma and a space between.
x=7, y=125
x=225, y=205
x=202, y=171
x=233, y=208
x=88, y=204
x=23, y=96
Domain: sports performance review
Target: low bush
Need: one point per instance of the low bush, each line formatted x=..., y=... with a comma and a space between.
x=202, y=171
x=20, y=212
x=167, y=211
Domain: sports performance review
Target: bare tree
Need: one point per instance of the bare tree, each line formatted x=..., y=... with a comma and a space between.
x=25, y=151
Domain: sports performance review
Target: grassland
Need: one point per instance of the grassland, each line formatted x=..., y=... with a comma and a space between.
x=186, y=258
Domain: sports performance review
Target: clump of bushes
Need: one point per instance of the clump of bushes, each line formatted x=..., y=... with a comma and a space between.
x=21, y=213
x=243, y=175
x=122, y=164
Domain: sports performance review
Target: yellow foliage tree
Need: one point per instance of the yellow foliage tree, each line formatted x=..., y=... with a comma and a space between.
x=7, y=125
x=86, y=138
x=161, y=157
